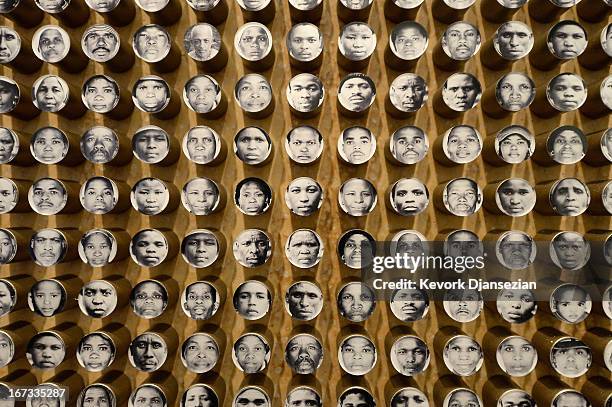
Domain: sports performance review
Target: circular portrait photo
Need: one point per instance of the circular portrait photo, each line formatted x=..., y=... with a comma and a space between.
x=462, y=197
x=47, y=298
x=409, y=355
x=148, y=352
x=151, y=42
x=48, y=247
x=409, y=144
x=516, y=397
x=49, y=145
x=96, y=394
x=303, y=300
x=569, y=197
x=357, y=41
x=102, y=6
x=459, y=5
x=100, y=93
x=516, y=356
x=512, y=3
x=356, y=396
x=47, y=196
x=409, y=304
x=516, y=306
x=97, y=247
x=356, y=301
x=199, y=394
x=305, y=42
x=570, y=357
x=461, y=41
x=570, y=303
x=99, y=195
x=304, y=354
x=200, y=353
x=150, y=144
x=462, y=397
x=253, y=93
x=203, y=5
x=49, y=93
x=11, y=95
x=200, y=300
x=357, y=355
x=463, y=355
x=149, y=299
x=252, y=145
x=462, y=243
x=304, y=144
x=515, y=250
x=99, y=145
x=410, y=243
x=408, y=197
x=356, y=92
x=202, y=42
x=33, y=400
x=357, y=197
x=253, y=41
x=605, y=91
x=515, y=91
x=201, y=144
x=304, y=248
x=100, y=42
x=513, y=40
x=46, y=350
x=252, y=248
x=7, y=349
x=200, y=196
x=12, y=43
x=304, y=196
x=200, y=248
x=251, y=395
x=408, y=92
x=352, y=245
x=461, y=92
x=152, y=6
x=8, y=250
x=96, y=351
x=252, y=300
x=305, y=93
x=566, y=145
x=406, y=395
x=567, y=39
x=303, y=395
x=202, y=94
x=52, y=6
x=253, y=5
x=51, y=43
x=356, y=145
x=150, y=196
x=566, y=92
x=97, y=299
x=514, y=144
x=571, y=397
x=253, y=196
x=606, y=301
x=147, y=394
x=151, y=94
x=251, y=353
x=463, y=305
x=356, y=4
x=148, y=248
x=462, y=144
x=8, y=297
x=9, y=143
x=605, y=39
x=515, y=197
x=408, y=40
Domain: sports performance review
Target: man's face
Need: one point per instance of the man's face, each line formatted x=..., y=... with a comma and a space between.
x=199, y=396
x=517, y=355
x=356, y=301
x=151, y=95
x=516, y=197
x=460, y=92
x=201, y=249
x=7, y=144
x=515, y=250
x=356, y=94
x=10, y=44
x=6, y=247
x=408, y=92
x=463, y=244
x=304, y=354
x=463, y=355
x=202, y=94
x=98, y=196
x=463, y=144
x=409, y=304
x=101, y=43
x=49, y=145
x=96, y=397
x=303, y=196
x=568, y=41
x=463, y=305
x=462, y=197
x=303, y=398
x=304, y=144
x=99, y=145
x=409, y=145
x=150, y=248
x=357, y=41
x=355, y=400
x=252, y=146
x=152, y=43
x=201, y=195
x=251, y=248
x=305, y=42
x=305, y=301
x=514, y=148
x=47, y=247
x=571, y=304
x=570, y=197
x=463, y=398
x=151, y=196
x=150, y=145
x=303, y=248
x=254, y=93
x=201, y=145
x=51, y=45
x=410, y=43
x=95, y=352
x=149, y=352
x=48, y=196
x=514, y=40
x=148, y=300
x=251, y=354
x=516, y=91
x=570, y=400
x=516, y=305
x=412, y=355
x=100, y=95
x=8, y=97
x=254, y=43
x=50, y=94
x=410, y=196
x=251, y=300
x=199, y=301
x=357, y=197
x=567, y=147
x=97, y=249
x=99, y=298
x=203, y=42
x=409, y=398
x=357, y=144
x=201, y=353
x=358, y=355
x=251, y=397
x=567, y=92
x=6, y=300
x=52, y=6
x=462, y=40
x=47, y=297
x=47, y=351
x=251, y=198
x=148, y=396
x=353, y=248
x=572, y=361
x=305, y=92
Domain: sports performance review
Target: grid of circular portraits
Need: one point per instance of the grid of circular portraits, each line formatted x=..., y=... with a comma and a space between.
x=235, y=276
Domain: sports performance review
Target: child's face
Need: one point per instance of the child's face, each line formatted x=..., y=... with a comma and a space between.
x=571, y=305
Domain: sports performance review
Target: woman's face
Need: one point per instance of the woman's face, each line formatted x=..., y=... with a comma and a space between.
x=514, y=148
x=252, y=300
x=567, y=147
x=358, y=355
x=567, y=92
x=252, y=198
x=6, y=299
x=6, y=349
x=96, y=353
x=570, y=197
x=8, y=98
x=47, y=297
x=518, y=356
x=303, y=196
x=49, y=145
x=464, y=355
x=50, y=95
x=100, y=95
x=97, y=249
x=98, y=196
x=353, y=248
